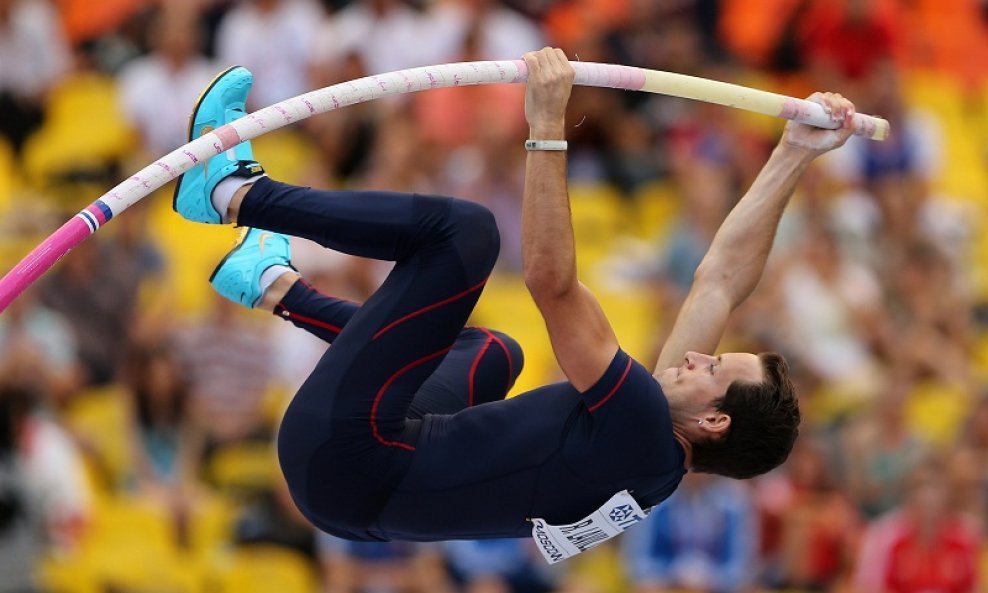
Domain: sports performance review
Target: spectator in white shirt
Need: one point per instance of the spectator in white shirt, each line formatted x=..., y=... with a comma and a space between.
x=273, y=39
x=157, y=89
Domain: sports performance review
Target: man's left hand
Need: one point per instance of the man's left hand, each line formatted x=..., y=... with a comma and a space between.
x=550, y=80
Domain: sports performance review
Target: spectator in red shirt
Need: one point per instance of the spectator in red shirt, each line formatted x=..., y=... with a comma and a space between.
x=814, y=523
x=925, y=546
x=845, y=43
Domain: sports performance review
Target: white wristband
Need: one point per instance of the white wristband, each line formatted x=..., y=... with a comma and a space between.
x=546, y=145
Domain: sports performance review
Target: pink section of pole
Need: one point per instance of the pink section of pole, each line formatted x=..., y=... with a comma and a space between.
x=41, y=259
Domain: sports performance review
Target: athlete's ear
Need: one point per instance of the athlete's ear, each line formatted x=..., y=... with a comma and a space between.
x=715, y=423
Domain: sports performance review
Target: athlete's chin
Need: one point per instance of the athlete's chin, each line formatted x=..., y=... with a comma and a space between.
x=668, y=380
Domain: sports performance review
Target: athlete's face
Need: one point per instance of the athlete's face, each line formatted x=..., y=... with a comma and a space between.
x=693, y=386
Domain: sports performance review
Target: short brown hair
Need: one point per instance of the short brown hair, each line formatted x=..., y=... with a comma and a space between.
x=764, y=425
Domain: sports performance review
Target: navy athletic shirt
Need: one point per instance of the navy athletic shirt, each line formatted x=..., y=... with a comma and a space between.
x=552, y=453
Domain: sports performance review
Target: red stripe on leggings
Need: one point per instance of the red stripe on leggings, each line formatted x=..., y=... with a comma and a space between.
x=473, y=368
x=507, y=355
x=616, y=387
x=384, y=388
x=429, y=308
x=303, y=319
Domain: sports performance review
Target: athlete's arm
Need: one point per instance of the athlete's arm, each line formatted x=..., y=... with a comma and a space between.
x=734, y=263
x=582, y=339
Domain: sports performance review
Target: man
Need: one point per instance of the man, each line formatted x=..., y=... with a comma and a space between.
x=387, y=438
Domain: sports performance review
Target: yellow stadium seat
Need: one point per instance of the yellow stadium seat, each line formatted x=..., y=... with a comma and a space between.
x=8, y=174
x=60, y=573
x=264, y=569
x=657, y=207
x=135, y=523
x=243, y=466
x=979, y=356
x=978, y=271
x=101, y=419
x=83, y=131
x=961, y=115
x=131, y=545
x=506, y=306
x=599, y=217
x=634, y=316
x=210, y=531
x=937, y=411
x=600, y=570
x=286, y=154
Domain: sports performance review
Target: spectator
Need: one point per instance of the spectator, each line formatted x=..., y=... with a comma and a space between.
x=967, y=487
x=474, y=134
x=35, y=57
x=274, y=40
x=380, y=35
x=845, y=42
x=44, y=459
x=923, y=546
x=973, y=443
x=915, y=151
x=159, y=399
x=467, y=117
x=661, y=36
x=929, y=315
x=498, y=566
x=21, y=528
x=702, y=539
x=97, y=291
x=400, y=158
x=87, y=22
x=833, y=308
x=704, y=191
x=38, y=346
x=889, y=195
x=880, y=450
x=381, y=567
x=227, y=385
x=157, y=89
x=270, y=518
x=705, y=203
x=813, y=521
x=501, y=32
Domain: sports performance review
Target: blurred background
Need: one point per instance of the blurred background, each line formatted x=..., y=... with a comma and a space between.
x=138, y=410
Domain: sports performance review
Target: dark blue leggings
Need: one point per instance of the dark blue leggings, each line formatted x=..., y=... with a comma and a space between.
x=349, y=435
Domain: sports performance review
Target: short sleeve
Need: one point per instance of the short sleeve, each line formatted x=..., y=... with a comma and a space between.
x=610, y=382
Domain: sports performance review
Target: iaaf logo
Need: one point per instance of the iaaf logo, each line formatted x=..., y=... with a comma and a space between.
x=626, y=515
x=620, y=513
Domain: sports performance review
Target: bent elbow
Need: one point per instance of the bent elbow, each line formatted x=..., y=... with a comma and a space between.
x=545, y=286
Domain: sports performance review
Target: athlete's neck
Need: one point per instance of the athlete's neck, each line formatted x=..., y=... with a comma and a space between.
x=685, y=444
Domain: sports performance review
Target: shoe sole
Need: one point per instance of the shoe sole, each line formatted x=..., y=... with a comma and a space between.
x=236, y=247
x=192, y=124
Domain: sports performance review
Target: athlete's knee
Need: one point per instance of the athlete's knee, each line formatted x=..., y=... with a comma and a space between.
x=512, y=352
x=476, y=231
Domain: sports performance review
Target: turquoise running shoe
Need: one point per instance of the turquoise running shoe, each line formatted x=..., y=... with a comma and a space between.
x=221, y=103
x=238, y=275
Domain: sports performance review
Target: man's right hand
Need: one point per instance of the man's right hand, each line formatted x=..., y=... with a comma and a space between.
x=550, y=80
x=820, y=140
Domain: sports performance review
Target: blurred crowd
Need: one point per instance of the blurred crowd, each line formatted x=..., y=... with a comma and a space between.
x=138, y=411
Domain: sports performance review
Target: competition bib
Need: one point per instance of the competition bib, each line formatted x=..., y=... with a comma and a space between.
x=559, y=542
